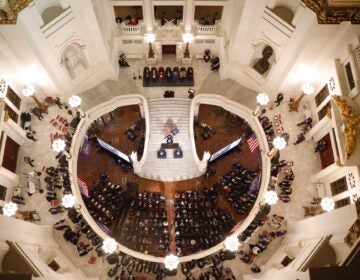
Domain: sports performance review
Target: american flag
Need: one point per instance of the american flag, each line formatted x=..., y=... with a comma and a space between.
x=253, y=142
x=84, y=189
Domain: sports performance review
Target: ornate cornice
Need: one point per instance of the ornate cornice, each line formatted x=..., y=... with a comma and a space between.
x=351, y=125
x=327, y=14
x=9, y=10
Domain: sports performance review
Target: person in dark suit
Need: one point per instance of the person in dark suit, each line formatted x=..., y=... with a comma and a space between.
x=279, y=98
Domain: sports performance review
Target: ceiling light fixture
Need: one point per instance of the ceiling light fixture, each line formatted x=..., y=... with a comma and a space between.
x=109, y=246
x=271, y=197
x=232, y=243
x=10, y=209
x=327, y=204
x=68, y=200
x=58, y=145
x=171, y=262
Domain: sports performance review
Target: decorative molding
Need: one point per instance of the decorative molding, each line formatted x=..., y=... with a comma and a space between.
x=327, y=14
x=10, y=10
x=351, y=124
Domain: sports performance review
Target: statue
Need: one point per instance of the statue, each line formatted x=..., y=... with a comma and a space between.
x=74, y=61
x=263, y=64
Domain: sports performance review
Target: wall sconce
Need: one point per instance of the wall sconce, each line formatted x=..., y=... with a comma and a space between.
x=29, y=91
x=150, y=38
x=307, y=89
x=75, y=102
x=262, y=99
x=187, y=38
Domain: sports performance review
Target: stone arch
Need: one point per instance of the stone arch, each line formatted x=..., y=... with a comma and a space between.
x=74, y=60
x=284, y=13
x=50, y=13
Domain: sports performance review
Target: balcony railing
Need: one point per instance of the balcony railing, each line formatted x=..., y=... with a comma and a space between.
x=130, y=29
x=207, y=29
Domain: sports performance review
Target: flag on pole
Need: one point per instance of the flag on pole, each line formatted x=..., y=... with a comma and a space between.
x=253, y=142
x=84, y=189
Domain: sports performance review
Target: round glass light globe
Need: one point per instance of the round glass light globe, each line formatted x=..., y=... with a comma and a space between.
x=307, y=88
x=28, y=91
x=74, y=101
x=232, y=243
x=58, y=145
x=327, y=204
x=171, y=262
x=109, y=246
x=10, y=209
x=271, y=197
x=262, y=98
x=279, y=143
x=68, y=201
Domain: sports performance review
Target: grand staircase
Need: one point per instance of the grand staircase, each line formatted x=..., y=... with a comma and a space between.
x=172, y=112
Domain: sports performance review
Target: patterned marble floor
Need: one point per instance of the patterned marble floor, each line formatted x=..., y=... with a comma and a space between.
x=306, y=162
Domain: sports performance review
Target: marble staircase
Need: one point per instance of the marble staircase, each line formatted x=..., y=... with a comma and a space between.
x=172, y=112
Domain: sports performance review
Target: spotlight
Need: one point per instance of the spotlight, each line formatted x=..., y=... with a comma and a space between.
x=178, y=153
x=161, y=153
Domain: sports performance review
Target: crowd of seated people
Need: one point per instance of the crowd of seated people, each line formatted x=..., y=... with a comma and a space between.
x=105, y=200
x=261, y=242
x=79, y=233
x=126, y=267
x=236, y=185
x=146, y=226
x=211, y=267
x=168, y=74
x=287, y=178
x=285, y=186
x=267, y=126
x=215, y=273
x=57, y=181
x=199, y=224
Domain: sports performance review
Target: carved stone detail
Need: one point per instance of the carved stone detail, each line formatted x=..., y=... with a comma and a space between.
x=333, y=15
x=10, y=9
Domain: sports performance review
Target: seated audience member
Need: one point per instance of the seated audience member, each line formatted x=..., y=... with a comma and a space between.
x=321, y=145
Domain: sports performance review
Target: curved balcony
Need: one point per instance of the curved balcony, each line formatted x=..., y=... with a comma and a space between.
x=216, y=100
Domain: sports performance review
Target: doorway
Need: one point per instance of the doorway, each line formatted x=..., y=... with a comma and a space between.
x=169, y=49
x=10, y=154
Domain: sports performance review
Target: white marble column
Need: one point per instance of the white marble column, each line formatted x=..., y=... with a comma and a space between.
x=148, y=16
x=189, y=16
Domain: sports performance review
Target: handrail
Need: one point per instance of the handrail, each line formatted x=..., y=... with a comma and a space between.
x=209, y=99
